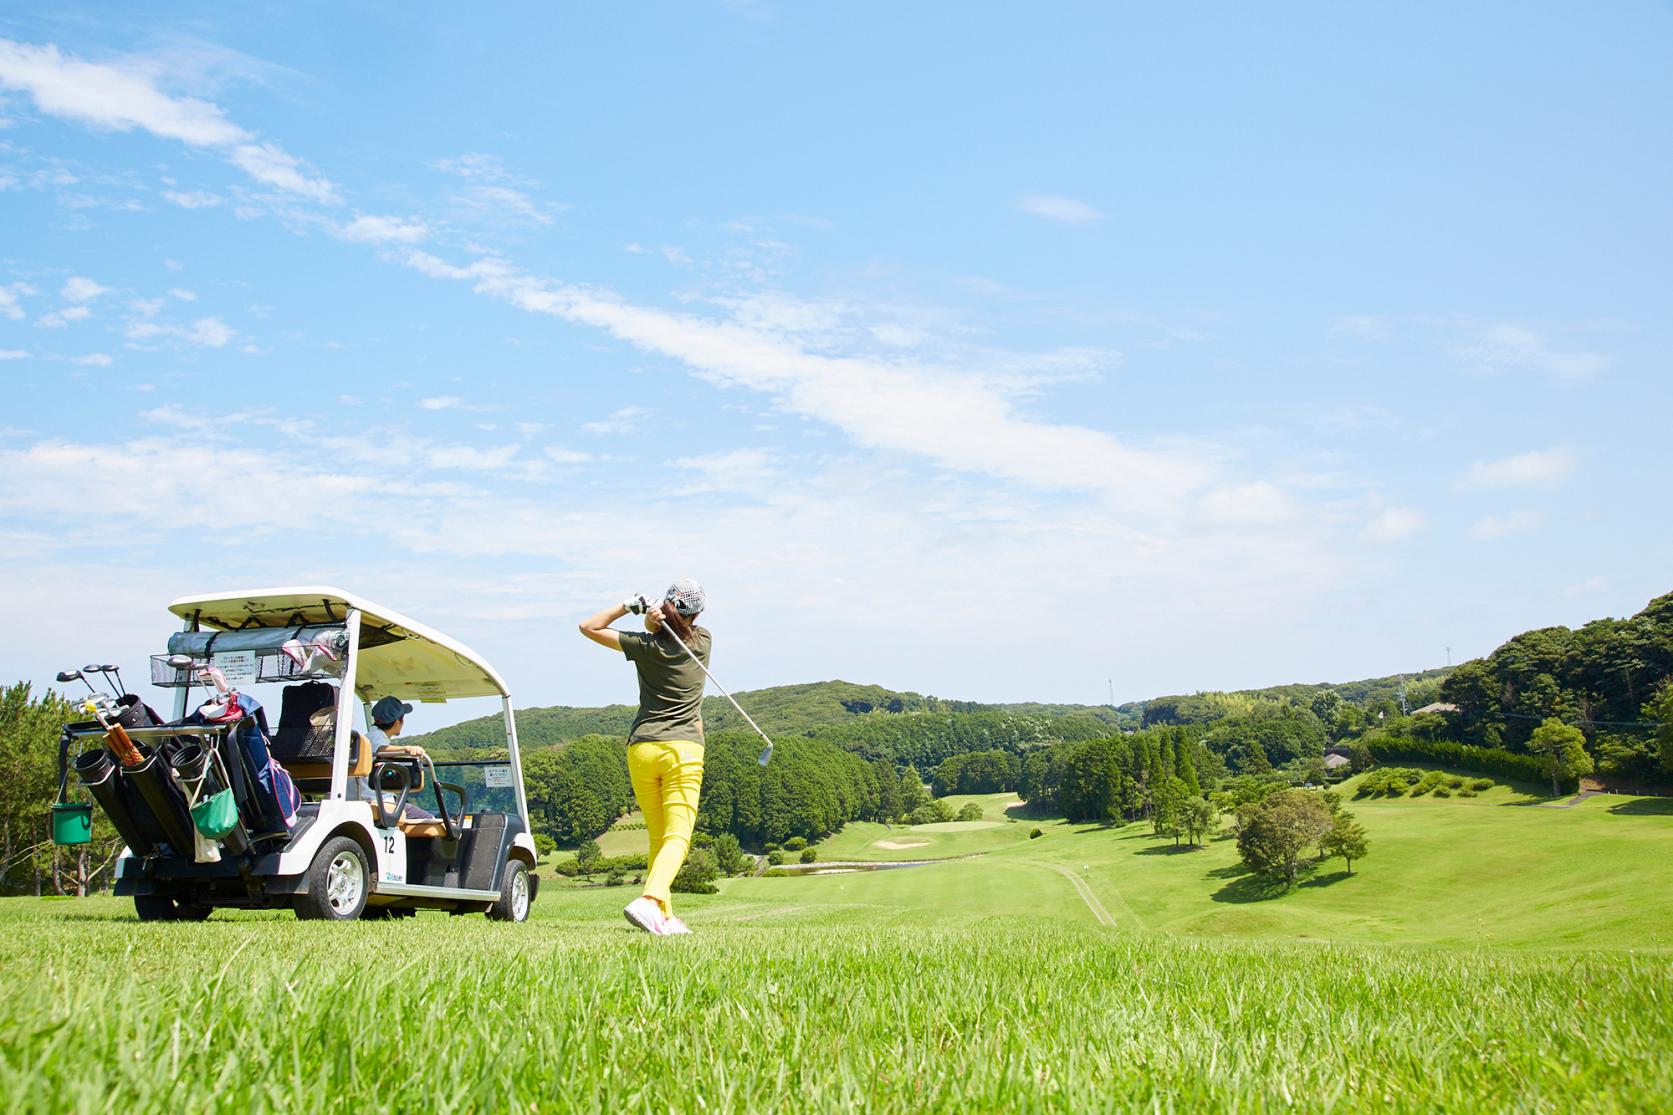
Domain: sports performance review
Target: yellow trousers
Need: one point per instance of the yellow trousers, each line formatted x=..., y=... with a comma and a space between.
x=667, y=776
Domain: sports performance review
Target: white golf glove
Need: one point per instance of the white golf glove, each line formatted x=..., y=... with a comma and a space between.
x=637, y=605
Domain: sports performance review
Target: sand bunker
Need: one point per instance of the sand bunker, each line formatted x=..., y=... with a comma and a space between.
x=896, y=845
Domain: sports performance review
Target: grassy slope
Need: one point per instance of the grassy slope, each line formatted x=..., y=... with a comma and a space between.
x=1495, y=869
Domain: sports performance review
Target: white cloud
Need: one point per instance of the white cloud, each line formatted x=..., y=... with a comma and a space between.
x=1587, y=587
x=210, y=332
x=269, y=163
x=1056, y=208
x=9, y=307
x=110, y=97
x=182, y=294
x=1524, y=470
x=93, y=360
x=503, y=203
x=739, y=470
x=1494, y=527
x=1505, y=346
x=1393, y=524
x=441, y=402
x=57, y=319
x=81, y=289
x=14, y=354
x=881, y=404
x=384, y=230
x=623, y=421
x=124, y=96
x=568, y=456
x=193, y=199
x=1256, y=504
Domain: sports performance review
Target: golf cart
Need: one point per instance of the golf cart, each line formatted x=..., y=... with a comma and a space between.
x=219, y=809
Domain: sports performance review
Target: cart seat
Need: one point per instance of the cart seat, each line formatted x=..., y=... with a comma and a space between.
x=307, y=734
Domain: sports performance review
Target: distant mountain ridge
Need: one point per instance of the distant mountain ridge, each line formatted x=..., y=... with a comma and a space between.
x=799, y=708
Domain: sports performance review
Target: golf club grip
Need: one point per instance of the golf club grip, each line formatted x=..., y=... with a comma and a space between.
x=123, y=747
x=675, y=635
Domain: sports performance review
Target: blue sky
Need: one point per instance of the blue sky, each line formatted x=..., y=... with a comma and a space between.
x=981, y=351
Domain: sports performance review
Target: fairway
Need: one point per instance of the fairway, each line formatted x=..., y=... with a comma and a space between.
x=1497, y=869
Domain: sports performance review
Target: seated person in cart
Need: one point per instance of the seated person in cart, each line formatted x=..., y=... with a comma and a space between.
x=389, y=717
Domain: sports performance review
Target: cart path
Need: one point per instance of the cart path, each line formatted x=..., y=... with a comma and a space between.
x=1571, y=802
x=1081, y=888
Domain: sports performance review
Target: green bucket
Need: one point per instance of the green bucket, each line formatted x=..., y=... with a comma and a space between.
x=216, y=815
x=72, y=823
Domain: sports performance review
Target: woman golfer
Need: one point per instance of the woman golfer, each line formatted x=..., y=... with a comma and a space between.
x=665, y=745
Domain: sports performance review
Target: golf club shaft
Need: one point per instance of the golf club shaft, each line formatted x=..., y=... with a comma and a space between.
x=765, y=755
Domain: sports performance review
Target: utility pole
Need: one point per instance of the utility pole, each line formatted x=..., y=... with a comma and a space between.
x=1112, y=692
x=1449, y=658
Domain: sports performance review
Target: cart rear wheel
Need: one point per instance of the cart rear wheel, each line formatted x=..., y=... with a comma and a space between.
x=513, y=903
x=337, y=882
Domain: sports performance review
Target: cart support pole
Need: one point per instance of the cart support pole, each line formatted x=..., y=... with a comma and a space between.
x=516, y=759
x=345, y=711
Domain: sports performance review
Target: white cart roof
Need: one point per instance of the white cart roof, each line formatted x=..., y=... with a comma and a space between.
x=399, y=657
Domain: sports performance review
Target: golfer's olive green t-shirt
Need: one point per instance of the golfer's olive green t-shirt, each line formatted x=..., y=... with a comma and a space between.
x=670, y=685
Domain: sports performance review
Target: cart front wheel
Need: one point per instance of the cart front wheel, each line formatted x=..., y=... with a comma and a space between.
x=337, y=883
x=513, y=904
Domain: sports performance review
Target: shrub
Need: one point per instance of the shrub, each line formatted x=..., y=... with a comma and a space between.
x=1466, y=792
x=810, y=855
x=931, y=813
x=770, y=846
x=614, y=879
x=795, y=844
x=776, y=873
x=970, y=812
x=568, y=868
x=1388, y=782
x=1481, y=784
x=1035, y=833
x=544, y=845
x=774, y=858
x=699, y=873
x=1508, y=765
x=1442, y=792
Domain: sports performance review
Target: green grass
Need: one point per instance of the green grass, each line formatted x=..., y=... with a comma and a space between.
x=1488, y=955
x=574, y=1011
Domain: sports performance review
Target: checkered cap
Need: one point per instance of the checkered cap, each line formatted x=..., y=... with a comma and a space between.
x=687, y=596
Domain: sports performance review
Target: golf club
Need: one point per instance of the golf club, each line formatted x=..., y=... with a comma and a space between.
x=94, y=668
x=766, y=754
x=116, y=672
x=67, y=676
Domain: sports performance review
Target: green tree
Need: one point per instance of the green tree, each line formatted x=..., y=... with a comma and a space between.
x=1346, y=838
x=729, y=855
x=698, y=874
x=588, y=858
x=970, y=812
x=1659, y=708
x=1273, y=834
x=912, y=791
x=1197, y=817
x=1167, y=803
x=810, y=855
x=1562, y=747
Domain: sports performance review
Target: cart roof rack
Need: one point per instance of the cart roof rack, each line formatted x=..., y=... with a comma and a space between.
x=399, y=657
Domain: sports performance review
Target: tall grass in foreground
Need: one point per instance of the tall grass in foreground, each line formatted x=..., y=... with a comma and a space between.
x=446, y=1015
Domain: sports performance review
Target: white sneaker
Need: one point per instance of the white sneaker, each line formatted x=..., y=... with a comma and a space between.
x=673, y=926
x=647, y=915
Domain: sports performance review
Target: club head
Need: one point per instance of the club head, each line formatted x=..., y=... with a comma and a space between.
x=766, y=754
x=69, y=675
x=180, y=661
x=109, y=669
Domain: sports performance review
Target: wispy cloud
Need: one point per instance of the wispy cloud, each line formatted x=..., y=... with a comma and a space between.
x=441, y=402
x=14, y=354
x=1505, y=346
x=623, y=421
x=210, y=332
x=193, y=199
x=94, y=360
x=1056, y=208
x=1524, y=470
x=1393, y=524
x=1493, y=527
x=384, y=230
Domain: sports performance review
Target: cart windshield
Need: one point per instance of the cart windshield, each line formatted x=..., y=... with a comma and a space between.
x=489, y=785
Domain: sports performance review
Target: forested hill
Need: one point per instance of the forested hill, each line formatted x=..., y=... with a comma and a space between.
x=813, y=706
x=794, y=709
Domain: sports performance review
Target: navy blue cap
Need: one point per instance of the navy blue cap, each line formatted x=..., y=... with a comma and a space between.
x=389, y=710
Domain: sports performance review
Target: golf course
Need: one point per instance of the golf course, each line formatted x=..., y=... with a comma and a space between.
x=1496, y=953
